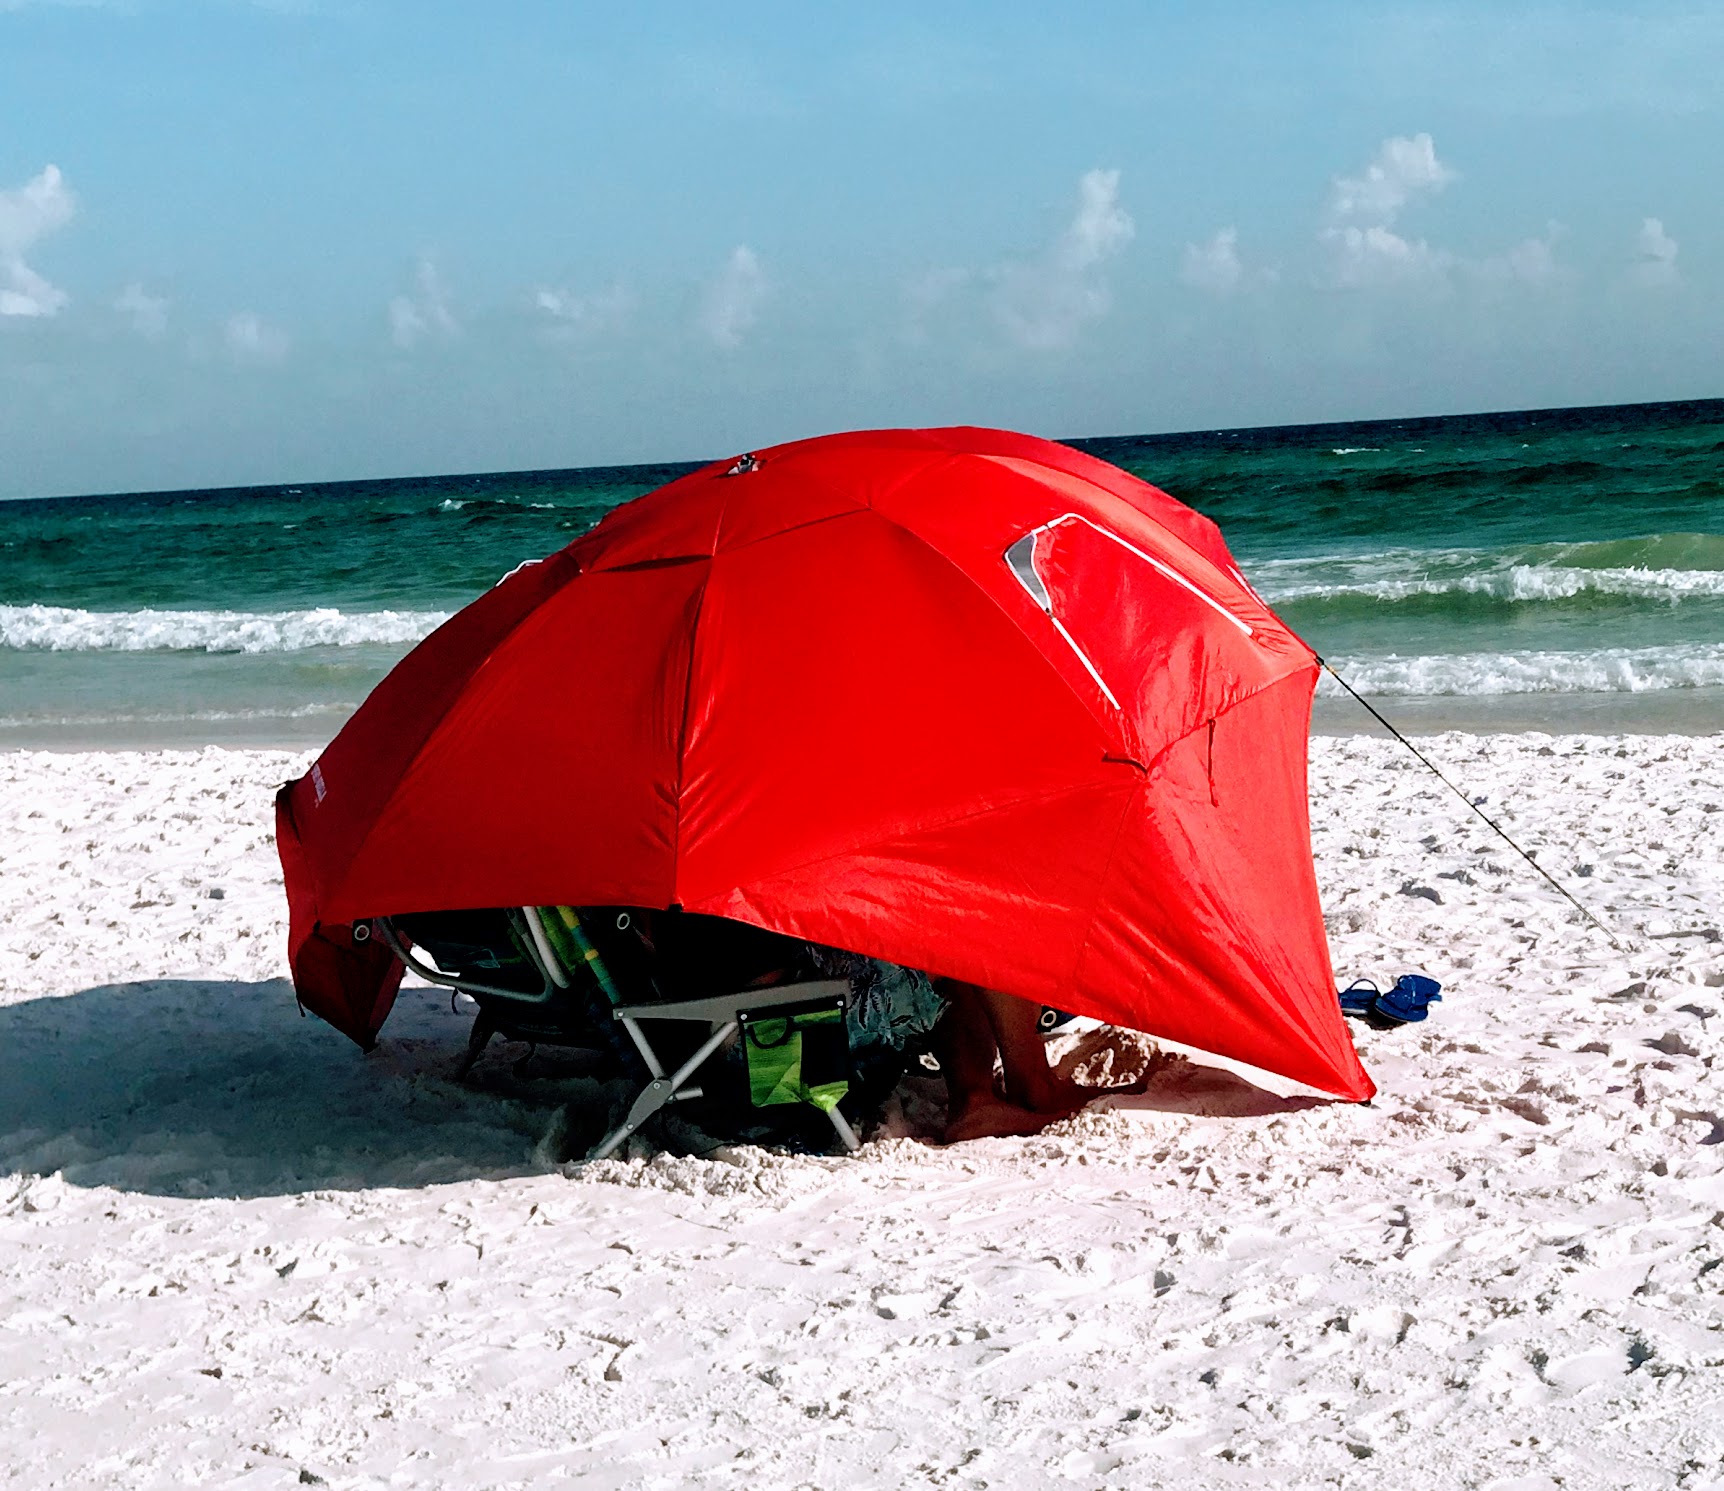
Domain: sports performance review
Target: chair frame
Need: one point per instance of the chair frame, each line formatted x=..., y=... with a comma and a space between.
x=722, y=1013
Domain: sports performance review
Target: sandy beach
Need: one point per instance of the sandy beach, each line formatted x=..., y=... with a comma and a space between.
x=235, y=1251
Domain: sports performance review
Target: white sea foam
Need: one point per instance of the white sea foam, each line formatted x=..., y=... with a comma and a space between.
x=1472, y=674
x=66, y=629
x=1354, y=450
x=1517, y=582
x=184, y=717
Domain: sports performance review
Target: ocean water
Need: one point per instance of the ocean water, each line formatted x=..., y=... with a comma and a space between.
x=1547, y=569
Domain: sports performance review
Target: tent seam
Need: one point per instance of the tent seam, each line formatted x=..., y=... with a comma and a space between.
x=1132, y=803
x=687, y=705
x=639, y=564
x=1227, y=709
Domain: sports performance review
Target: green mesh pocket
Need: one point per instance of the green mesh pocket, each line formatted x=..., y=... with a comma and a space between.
x=796, y=1054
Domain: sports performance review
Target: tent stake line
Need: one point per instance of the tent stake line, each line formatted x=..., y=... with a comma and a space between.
x=1484, y=817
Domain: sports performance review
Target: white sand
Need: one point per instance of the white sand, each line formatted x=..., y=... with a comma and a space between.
x=235, y=1252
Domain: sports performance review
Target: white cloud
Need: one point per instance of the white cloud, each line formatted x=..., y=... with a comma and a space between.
x=23, y=292
x=1405, y=167
x=1363, y=246
x=1214, y=266
x=147, y=313
x=924, y=294
x=252, y=339
x=1532, y=263
x=576, y=315
x=423, y=313
x=1654, y=256
x=732, y=300
x=1101, y=228
x=27, y=214
x=1043, y=305
x=1362, y=257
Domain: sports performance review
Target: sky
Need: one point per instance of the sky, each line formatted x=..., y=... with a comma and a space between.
x=296, y=241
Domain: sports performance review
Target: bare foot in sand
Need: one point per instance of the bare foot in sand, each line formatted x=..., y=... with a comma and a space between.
x=1045, y=1091
x=996, y=1119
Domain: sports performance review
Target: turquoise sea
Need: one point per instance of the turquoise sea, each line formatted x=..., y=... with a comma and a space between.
x=1559, y=568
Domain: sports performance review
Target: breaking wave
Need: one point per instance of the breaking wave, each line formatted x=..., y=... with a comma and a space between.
x=1670, y=568
x=182, y=717
x=66, y=629
x=1627, y=671
x=1518, y=583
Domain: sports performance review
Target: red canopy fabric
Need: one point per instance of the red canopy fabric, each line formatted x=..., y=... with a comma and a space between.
x=966, y=700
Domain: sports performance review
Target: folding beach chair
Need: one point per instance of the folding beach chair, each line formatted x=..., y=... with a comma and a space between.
x=523, y=992
x=538, y=976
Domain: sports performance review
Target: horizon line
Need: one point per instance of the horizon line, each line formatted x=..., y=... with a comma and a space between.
x=1077, y=441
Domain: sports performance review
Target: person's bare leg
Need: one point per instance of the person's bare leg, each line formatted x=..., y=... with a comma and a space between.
x=969, y=1039
x=964, y=1042
x=1030, y=1082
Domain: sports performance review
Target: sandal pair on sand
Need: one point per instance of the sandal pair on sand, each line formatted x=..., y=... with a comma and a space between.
x=1385, y=1009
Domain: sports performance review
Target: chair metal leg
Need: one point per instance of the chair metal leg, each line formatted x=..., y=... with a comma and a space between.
x=643, y=1045
x=846, y=1134
x=661, y=1089
x=477, y=1039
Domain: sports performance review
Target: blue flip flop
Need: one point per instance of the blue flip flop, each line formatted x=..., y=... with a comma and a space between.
x=1358, y=998
x=1406, y=1004
x=1410, y=1000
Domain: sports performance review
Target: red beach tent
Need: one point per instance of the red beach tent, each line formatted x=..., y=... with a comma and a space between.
x=966, y=700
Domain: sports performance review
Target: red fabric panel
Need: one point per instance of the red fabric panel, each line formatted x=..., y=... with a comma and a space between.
x=1001, y=898
x=1210, y=932
x=553, y=779
x=336, y=805
x=972, y=510
x=351, y=985
x=678, y=521
x=1192, y=527
x=1168, y=656
x=807, y=485
x=851, y=688
x=1214, y=573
